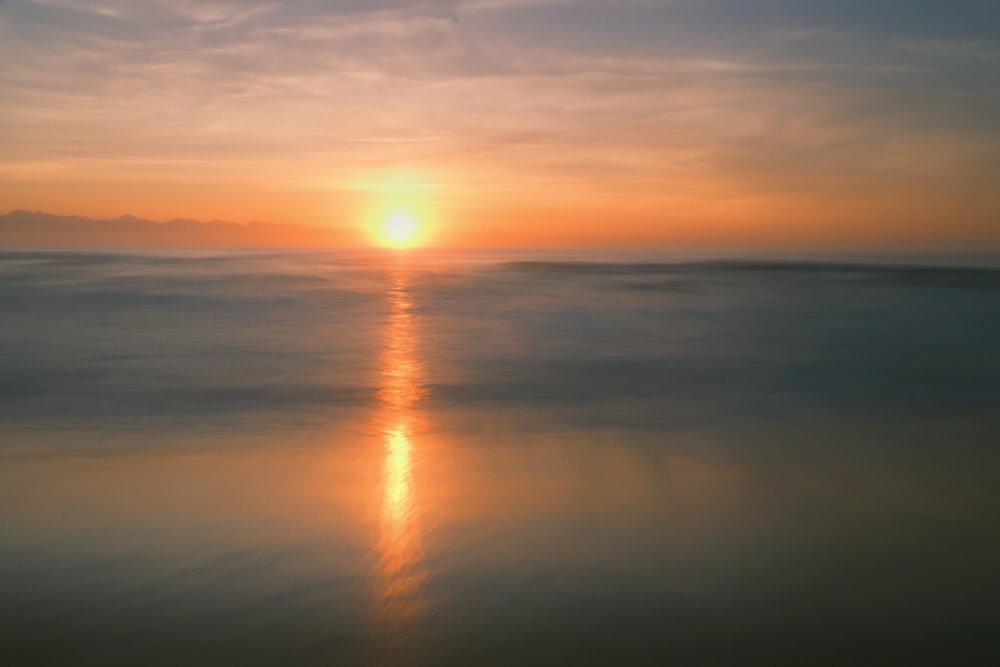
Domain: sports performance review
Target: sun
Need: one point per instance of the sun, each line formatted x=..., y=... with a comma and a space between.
x=400, y=229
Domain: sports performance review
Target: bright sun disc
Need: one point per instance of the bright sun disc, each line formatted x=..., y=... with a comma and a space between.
x=400, y=229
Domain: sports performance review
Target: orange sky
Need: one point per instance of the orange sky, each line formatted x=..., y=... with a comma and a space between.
x=717, y=124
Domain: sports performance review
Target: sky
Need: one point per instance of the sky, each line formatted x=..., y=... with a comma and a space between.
x=669, y=123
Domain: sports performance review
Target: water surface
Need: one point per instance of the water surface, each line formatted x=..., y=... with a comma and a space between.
x=322, y=458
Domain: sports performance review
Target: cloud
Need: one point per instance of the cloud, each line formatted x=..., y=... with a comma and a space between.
x=729, y=99
x=950, y=49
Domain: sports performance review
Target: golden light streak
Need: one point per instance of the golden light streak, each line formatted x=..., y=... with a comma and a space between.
x=400, y=574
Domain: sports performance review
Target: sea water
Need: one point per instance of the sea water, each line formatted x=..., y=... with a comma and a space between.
x=215, y=457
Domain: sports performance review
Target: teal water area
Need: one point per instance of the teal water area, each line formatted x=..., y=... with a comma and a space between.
x=552, y=458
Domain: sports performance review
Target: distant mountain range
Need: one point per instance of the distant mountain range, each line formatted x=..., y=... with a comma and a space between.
x=37, y=228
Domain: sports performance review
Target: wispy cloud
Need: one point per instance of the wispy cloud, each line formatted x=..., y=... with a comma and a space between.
x=647, y=101
x=950, y=49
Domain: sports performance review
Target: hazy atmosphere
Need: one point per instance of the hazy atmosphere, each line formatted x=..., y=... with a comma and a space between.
x=499, y=333
x=716, y=123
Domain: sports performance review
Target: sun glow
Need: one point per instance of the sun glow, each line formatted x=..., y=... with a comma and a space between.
x=400, y=229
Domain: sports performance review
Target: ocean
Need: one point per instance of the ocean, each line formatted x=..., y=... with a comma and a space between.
x=220, y=457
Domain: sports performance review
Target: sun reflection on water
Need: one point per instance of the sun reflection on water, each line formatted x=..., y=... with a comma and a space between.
x=400, y=574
